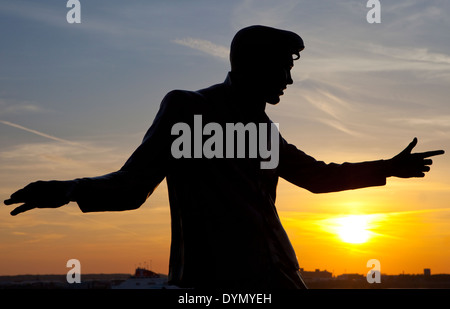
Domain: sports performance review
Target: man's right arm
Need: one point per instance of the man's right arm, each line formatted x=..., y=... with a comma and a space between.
x=129, y=187
x=125, y=189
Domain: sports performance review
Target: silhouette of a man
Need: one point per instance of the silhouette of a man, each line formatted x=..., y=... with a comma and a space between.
x=226, y=232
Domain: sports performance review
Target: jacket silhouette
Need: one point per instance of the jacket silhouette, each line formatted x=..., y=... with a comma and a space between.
x=225, y=228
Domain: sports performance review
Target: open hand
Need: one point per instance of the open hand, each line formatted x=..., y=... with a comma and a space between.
x=41, y=194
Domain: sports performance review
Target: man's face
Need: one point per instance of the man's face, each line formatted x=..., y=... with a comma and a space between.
x=272, y=78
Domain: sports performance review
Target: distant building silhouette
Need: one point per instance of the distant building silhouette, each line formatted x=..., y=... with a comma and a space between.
x=145, y=273
x=352, y=277
x=427, y=272
x=316, y=275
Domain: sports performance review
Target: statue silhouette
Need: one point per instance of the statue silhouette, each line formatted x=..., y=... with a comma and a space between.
x=226, y=232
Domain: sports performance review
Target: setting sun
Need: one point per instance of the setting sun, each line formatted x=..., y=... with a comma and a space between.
x=352, y=229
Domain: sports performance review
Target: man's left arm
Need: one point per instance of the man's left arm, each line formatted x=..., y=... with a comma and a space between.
x=319, y=177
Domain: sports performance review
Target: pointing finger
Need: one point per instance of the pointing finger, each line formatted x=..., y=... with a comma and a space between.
x=430, y=153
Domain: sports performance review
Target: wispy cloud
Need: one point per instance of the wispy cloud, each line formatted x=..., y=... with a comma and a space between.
x=442, y=121
x=330, y=107
x=8, y=106
x=27, y=108
x=411, y=54
x=56, y=160
x=324, y=100
x=336, y=124
x=205, y=46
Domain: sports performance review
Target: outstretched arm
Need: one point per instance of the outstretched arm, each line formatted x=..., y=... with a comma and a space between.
x=318, y=177
x=117, y=191
x=125, y=189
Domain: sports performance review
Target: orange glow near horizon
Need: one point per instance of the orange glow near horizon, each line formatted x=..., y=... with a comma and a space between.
x=406, y=231
x=404, y=225
x=338, y=236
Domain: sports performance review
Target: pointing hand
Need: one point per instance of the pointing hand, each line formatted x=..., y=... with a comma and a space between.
x=407, y=164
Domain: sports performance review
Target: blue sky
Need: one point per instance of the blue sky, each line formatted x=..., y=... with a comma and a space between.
x=76, y=80
x=76, y=99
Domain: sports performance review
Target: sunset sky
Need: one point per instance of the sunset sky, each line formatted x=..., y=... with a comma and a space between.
x=76, y=100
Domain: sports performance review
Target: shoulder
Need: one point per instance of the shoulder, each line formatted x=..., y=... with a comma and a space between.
x=177, y=96
x=186, y=99
x=177, y=100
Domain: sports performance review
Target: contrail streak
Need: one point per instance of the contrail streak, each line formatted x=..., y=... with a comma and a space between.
x=41, y=134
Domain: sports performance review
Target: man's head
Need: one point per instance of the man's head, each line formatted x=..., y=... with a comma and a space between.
x=262, y=58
